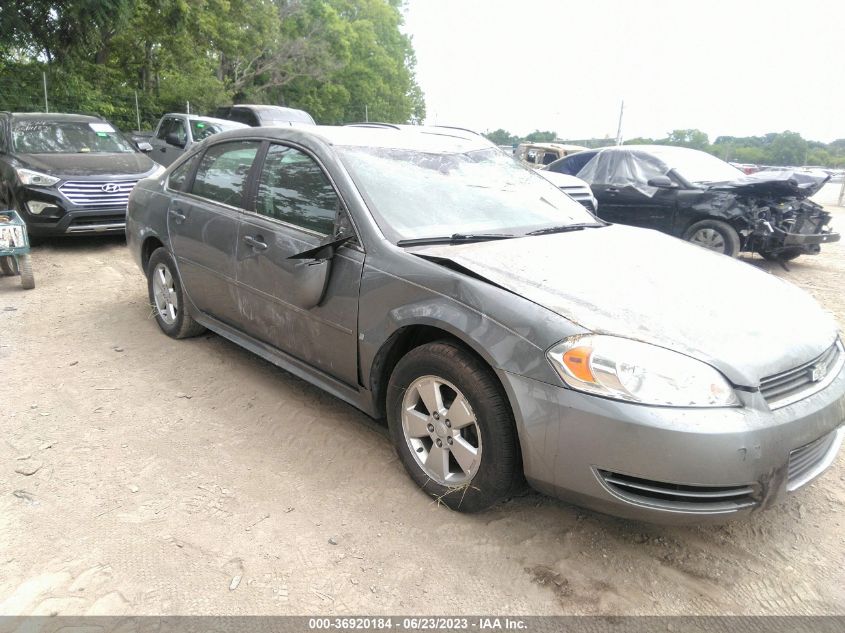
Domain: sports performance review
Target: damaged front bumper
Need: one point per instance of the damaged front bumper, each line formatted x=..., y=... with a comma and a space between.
x=671, y=465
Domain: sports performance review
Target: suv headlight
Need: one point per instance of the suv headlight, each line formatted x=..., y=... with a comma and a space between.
x=29, y=177
x=624, y=369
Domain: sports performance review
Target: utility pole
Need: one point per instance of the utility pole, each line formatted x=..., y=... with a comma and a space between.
x=44, y=79
x=842, y=192
x=366, y=113
x=137, y=112
x=188, y=107
x=619, y=128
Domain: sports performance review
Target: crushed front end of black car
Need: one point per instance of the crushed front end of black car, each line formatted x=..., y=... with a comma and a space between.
x=780, y=221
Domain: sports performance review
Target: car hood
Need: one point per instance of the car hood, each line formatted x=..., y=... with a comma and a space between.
x=83, y=164
x=644, y=285
x=775, y=183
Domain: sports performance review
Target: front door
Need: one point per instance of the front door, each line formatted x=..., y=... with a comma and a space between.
x=296, y=207
x=627, y=204
x=203, y=227
x=163, y=152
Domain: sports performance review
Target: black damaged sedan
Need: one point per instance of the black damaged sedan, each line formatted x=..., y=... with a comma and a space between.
x=697, y=197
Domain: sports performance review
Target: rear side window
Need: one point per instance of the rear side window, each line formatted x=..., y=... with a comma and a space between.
x=223, y=170
x=293, y=188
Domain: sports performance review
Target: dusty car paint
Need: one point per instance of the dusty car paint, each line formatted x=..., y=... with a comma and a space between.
x=512, y=300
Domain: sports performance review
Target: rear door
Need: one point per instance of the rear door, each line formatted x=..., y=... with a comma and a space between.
x=203, y=226
x=296, y=207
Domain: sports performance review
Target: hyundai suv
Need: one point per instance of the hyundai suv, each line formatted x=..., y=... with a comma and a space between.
x=68, y=173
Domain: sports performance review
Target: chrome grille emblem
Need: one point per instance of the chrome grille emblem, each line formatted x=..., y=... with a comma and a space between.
x=110, y=187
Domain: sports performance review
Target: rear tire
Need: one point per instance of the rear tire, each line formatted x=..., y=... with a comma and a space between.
x=167, y=297
x=25, y=268
x=714, y=235
x=452, y=427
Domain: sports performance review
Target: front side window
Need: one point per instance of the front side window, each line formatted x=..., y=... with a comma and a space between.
x=68, y=137
x=223, y=171
x=179, y=177
x=202, y=129
x=294, y=189
x=165, y=128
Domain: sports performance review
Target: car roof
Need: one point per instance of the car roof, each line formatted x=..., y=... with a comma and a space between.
x=55, y=116
x=563, y=146
x=429, y=139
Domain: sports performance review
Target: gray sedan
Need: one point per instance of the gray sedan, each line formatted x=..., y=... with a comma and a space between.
x=503, y=331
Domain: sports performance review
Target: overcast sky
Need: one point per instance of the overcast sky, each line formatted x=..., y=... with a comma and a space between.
x=734, y=68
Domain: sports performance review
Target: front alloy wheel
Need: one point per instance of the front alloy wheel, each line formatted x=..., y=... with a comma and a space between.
x=453, y=427
x=441, y=431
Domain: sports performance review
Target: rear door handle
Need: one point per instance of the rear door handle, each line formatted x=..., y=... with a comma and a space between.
x=256, y=242
x=180, y=217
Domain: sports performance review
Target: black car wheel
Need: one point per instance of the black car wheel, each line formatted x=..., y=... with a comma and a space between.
x=168, y=298
x=714, y=235
x=452, y=427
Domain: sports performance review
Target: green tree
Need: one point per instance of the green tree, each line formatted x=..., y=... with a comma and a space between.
x=541, y=137
x=695, y=139
x=501, y=137
x=788, y=148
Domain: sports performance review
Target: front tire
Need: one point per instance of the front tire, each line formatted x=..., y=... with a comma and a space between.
x=167, y=297
x=452, y=427
x=8, y=265
x=714, y=235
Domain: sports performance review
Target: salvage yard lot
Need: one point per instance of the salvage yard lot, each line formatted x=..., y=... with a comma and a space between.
x=193, y=477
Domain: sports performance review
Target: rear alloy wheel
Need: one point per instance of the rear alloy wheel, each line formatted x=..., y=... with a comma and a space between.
x=167, y=297
x=452, y=427
x=714, y=235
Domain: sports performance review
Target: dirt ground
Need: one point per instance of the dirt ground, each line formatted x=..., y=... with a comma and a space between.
x=193, y=477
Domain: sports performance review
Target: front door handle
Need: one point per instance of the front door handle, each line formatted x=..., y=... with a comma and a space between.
x=256, y=242
x=612, y=190
x=180, y=217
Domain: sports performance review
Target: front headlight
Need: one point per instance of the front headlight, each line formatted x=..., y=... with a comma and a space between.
x=29, y=177
x=624, y=369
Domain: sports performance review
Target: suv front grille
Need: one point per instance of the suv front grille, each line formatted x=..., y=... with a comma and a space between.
x=679, y=497
x=91, y=193
x=803, y=381
x=809, y=461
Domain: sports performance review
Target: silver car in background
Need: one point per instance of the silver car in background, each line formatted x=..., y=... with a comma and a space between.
x=502, y=330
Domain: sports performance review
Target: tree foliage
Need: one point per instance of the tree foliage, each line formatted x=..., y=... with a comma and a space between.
x=338, y=59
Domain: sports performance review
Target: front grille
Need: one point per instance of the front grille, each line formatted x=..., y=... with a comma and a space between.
x=90, y=193
x=803, y=381
x=809, y=461
x=679, y=497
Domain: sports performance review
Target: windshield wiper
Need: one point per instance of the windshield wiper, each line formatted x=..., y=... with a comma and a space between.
x=456, y=238
x=565, y=228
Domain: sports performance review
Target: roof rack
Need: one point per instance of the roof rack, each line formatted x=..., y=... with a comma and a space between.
x=373, y=124
x=455, y=127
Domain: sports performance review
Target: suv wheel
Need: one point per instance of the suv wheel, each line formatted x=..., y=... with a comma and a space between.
x=167, y=297
x=452, y=427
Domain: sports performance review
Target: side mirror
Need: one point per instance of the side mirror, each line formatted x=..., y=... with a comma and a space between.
x=662, y=182
x=173, y=139
x=144, y=146
x=314, y=269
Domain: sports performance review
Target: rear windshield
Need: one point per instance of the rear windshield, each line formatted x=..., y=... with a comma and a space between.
x=62, y=137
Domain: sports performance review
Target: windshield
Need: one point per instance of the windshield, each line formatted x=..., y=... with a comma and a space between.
x=201, y=129
x=61, y=137
x=420, y=195
x=695, y=166
x=275, y=117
